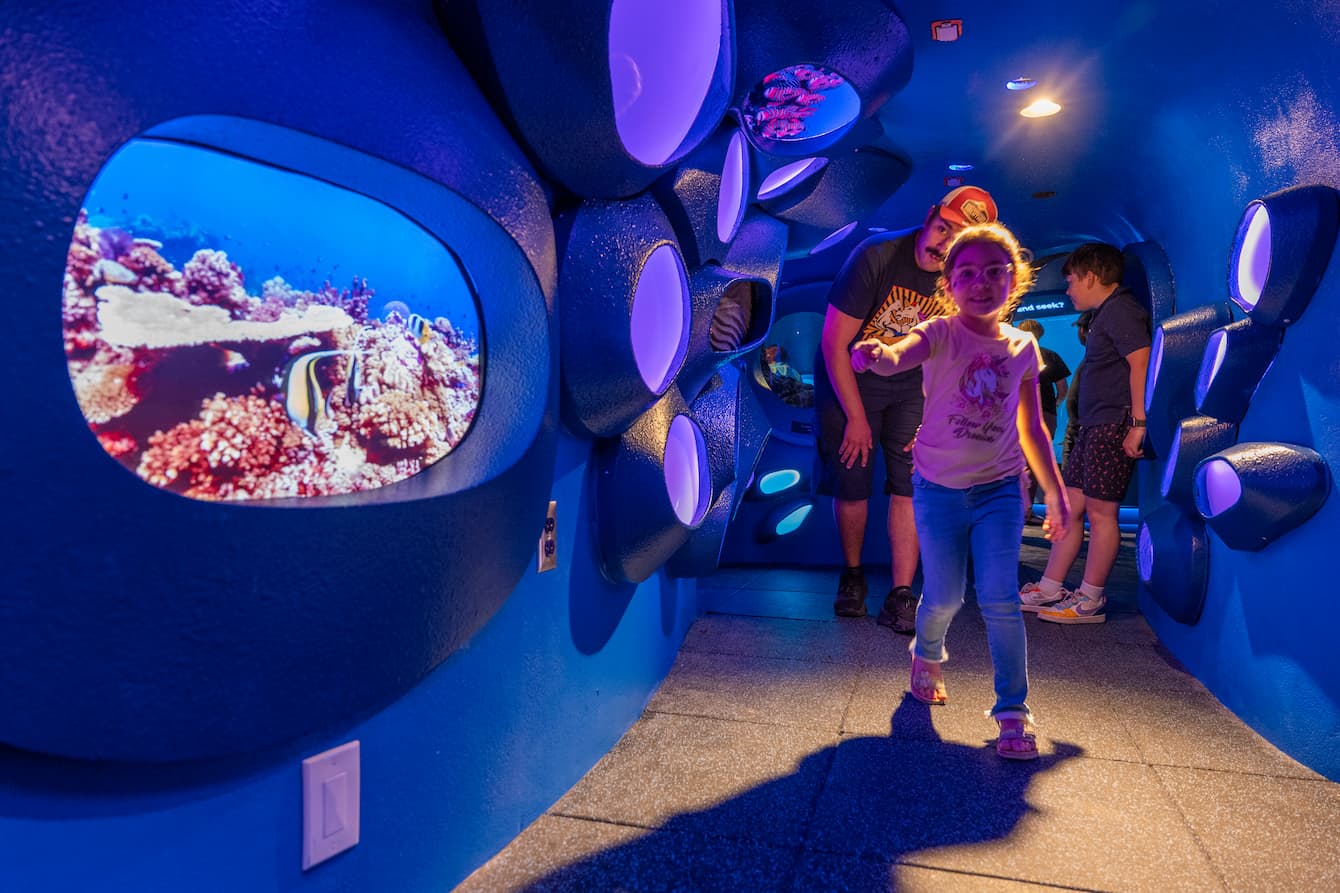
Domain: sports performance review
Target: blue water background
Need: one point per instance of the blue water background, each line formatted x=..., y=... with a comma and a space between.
x=273, y=222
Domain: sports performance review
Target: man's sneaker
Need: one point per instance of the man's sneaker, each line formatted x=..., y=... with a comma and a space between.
x=900, y=611
x=1032, y=598
x=1076, y=608
x=851, y=594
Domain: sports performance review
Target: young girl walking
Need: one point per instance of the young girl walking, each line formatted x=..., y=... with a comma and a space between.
x=983, y=420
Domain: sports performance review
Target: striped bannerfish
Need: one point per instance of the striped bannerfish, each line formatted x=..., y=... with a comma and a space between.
x=307, y=406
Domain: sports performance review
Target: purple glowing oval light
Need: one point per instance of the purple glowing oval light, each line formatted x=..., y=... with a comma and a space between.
x=659, y=323
x=1251, y=256
x=662, y=60
x=834, y=237
x=1144, y=553
x=789, y=176
x=685, y=464
x=1218, y=487
x=1155, y=363
x=732, y=195
x=1215, y=351
x=1171, y=467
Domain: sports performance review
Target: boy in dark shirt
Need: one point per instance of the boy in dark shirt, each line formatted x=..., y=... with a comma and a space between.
x=1111, y=433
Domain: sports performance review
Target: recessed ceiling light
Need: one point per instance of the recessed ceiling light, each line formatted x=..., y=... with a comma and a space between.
x=1041, y=108
x=1021, y=84
x=960, y=167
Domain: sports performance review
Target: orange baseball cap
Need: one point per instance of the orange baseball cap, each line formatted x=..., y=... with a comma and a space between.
x=968, y=204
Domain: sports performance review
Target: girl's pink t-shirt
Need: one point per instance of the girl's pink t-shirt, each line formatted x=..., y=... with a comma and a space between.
x=971, y=382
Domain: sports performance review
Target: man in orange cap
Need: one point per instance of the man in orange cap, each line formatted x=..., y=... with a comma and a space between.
x=886, y=287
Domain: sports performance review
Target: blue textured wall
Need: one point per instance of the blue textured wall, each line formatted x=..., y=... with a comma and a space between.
x=1265, y=643
x=190, y=654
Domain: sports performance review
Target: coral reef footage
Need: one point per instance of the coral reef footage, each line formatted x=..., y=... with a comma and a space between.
x=205, y=389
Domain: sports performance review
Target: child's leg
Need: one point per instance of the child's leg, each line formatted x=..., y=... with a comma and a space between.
x=996, y=533
x=942, y=519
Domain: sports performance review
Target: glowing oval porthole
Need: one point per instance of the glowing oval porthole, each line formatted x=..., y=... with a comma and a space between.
x=1250, y=266
x=1144, y=553
x=235, y=331
x=659, y=322
x=686, y=478
x=778, y=481
x=834, y=237
x=1215, y=350
x=1170, y=469
x=733, y=195
x=800, y=109
x=662, y=59
x=788, y=177
x=1155, y=364
x=1218, y=488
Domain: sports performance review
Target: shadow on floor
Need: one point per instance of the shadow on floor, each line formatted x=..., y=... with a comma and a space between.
x=873, y=801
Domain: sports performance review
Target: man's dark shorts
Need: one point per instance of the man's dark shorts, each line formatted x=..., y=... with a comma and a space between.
x=1097, y=464
x=893, y=408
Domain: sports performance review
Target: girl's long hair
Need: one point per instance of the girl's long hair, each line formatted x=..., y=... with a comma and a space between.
x=1021, y=260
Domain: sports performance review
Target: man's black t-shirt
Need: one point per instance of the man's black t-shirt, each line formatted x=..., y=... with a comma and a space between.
x=881, y=285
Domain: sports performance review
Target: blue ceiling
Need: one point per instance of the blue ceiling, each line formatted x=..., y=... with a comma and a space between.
x=1154, y=94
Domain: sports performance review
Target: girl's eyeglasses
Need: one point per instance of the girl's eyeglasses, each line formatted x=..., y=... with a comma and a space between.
x=996, y=274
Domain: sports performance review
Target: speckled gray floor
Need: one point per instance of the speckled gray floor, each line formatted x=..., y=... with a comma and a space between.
x=783, y=753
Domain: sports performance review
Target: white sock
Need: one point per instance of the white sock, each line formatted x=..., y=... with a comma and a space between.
x=1090, y=591
x=1048, y=586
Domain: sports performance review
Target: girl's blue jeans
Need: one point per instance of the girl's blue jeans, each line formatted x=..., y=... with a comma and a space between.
x=987, y=519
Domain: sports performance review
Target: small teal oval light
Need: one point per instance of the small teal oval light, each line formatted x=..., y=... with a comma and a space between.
x=1021, y=84
x=960, y=167
x=793, y=520
x=777, y=481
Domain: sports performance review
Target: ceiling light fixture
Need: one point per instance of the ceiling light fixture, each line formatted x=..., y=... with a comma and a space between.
x=960, y=167
x=1041, y=108
x=1021, y=84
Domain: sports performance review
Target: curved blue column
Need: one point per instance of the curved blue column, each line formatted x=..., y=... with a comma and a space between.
x=624, y=305
x=1175, y=354
x=1236, y=359
x=653, y=485
x=1280, y=251
x=1172, y=558
x=1253, y=493
x=1195, y=439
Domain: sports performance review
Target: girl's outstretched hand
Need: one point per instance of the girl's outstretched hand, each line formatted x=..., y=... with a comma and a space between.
x=1058, y=520
x=865, y=354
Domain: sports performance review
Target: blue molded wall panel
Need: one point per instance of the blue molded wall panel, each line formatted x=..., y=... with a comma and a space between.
x=452, y=771
x=1265, y=644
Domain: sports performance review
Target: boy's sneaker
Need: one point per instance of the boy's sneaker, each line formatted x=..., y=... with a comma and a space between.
x=1076, y=608
x=1032, y=598
x=851, y=594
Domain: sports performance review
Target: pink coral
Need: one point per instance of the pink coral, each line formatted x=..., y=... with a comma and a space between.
x=117, y=443
x=211, y=278
x=234, y=441
x=152, y=271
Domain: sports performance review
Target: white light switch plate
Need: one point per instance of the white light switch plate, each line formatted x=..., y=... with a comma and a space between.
x=330, y=803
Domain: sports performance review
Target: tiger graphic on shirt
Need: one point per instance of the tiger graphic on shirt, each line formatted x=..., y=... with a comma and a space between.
x=902, y=309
